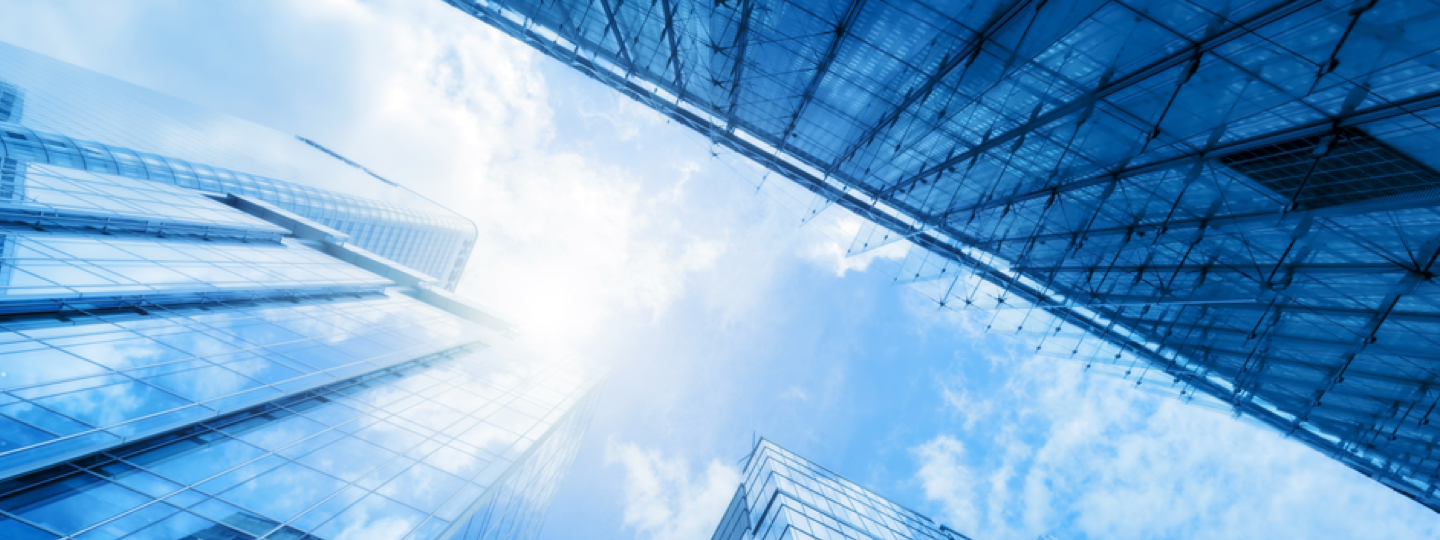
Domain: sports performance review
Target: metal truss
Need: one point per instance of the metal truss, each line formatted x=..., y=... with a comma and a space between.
x=1314, y=320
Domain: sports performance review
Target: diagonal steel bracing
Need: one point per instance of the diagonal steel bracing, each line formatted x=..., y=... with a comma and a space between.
x=1382, y=111
x=842, y=29
x=614, y=25
x=669, y=31
x=963, y=56
x=898, y=218
x=1106, y=89
x=737, y=71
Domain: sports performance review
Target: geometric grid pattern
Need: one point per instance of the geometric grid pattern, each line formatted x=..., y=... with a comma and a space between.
x=11, y=103
x=396, y=453
x=1352, y=167
x=516, y=508
x=49, y=265
x=71, y=118
x=785, y=496
x=431, y=242
x=172, y=366
x=45, y=196
x=1234, y=203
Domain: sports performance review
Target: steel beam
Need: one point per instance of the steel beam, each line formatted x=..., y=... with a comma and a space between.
x=627, y=60
x=939, y=244
x=1383, y=111
x=1323, y=370
x=1106, y=89
x=737, y=71
x=965, y=55
x=669, y=31
x=842, y=28
x=1307, y=268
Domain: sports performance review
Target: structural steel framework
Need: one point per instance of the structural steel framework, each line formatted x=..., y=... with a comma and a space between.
x=1240, y=195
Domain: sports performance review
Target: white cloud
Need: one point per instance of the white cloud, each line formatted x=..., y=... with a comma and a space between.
x=963, y=402
x=830, y=251
x=946, y=479
x=1080, y=457
x=665, y=499
x=796, y=393
x=437, y=101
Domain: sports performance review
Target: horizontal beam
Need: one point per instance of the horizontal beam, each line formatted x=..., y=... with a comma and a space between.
x=929, y=240
x=1305, y=268
x=842, y=29
x=965, y=55
x=1383, y=111
x=1173, y=60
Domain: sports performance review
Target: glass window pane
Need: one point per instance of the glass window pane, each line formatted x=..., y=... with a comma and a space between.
x=72, y=503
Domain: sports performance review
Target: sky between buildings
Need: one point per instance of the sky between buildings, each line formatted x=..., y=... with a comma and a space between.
x=631, y=240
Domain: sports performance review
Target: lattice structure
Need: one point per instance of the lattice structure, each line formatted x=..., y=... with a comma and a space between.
x=180, y=358
x=1238, y=195
x=77, y=119
x=787, y=497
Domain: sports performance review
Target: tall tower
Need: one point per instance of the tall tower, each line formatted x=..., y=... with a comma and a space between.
x=76, y=119
x=187, y=351
x=787, y=496
x=1235, y=200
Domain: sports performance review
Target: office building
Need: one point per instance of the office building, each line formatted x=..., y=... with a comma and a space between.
x=785, y=496
x=180, y=358
x=60, y=115
x=1235, y=200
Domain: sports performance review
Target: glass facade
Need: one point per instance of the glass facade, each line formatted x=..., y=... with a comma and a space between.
x=402, y=452
x=63, y=117
x=1231, y=200
x=785, y=497
x=192, y=352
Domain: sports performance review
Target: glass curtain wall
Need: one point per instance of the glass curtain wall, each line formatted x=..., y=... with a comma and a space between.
x=64, y=117
x=784, y=496
x=401, y=452
x=179, y=364
x=1231, y=200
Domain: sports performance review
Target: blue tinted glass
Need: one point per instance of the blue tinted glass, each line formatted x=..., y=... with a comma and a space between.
x=423, y=487
x=204, y=383
x=187, y=525
x=240, y=474
x=373, y=517
x=15, y=530
x=330, y=508
x=72, y=503
x=348, y=458
x=235, y=518
x=271, y=434
x=136, y=479
x=139, y=519
x=112, y=403
x=284, y=492
x=30, y=367
x=75, y=192
x=206, y=459
x=15, y=435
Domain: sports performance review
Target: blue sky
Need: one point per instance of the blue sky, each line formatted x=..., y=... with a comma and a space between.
x=614, y=233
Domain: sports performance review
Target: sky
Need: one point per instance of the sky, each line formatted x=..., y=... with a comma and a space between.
x=607, y=230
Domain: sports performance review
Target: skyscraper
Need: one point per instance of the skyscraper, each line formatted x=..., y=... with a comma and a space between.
x=180, y=358
x=1235, y=200
x=785, y=496
x=76, y=119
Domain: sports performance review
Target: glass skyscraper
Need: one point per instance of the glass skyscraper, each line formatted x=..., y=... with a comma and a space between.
x=1227, y=199
x=786, y=497
x=209, y=330
x=69, y=118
